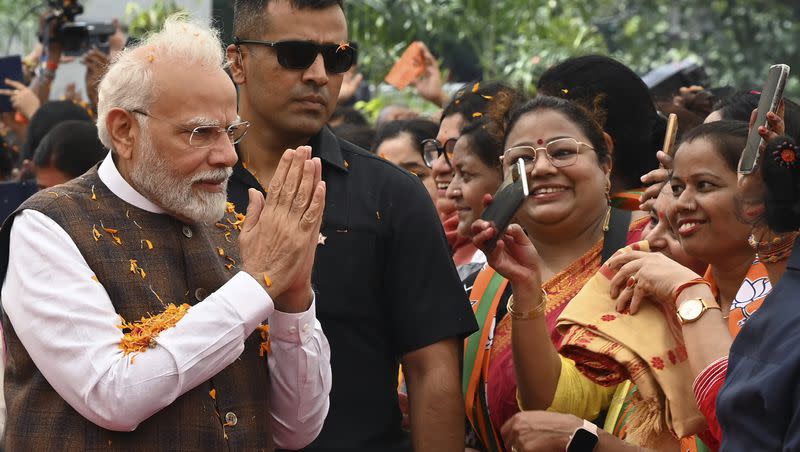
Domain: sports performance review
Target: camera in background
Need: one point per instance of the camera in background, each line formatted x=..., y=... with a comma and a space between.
x=77, y=37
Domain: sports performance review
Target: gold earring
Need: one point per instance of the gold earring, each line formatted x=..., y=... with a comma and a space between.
x=607, y=220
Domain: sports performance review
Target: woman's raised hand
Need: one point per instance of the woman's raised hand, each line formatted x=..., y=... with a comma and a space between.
x=646, y=275
x=514, y=256
x=655, y=181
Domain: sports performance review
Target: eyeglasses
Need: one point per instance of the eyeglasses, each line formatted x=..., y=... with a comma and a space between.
x=301, y=54
x=561, y=152
x=204, y=136
x=432, y=149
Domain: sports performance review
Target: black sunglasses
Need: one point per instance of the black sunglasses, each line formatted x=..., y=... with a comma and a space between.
x=301, y=54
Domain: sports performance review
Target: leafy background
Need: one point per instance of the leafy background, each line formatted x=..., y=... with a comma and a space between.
x=516, y=40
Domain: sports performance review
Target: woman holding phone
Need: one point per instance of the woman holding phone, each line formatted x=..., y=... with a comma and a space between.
x=758, y=405
x=568, y=162
x=703, y=186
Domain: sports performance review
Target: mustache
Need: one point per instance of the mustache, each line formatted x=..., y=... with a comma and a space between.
x=213, y=174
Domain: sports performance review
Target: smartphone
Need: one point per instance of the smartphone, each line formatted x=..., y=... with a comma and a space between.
x=505, y=204
x=672, y=132
x=408, y=67
x=768, y=102
x=11, y=68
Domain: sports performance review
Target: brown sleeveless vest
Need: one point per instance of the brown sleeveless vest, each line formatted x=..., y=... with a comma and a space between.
x=184, y=265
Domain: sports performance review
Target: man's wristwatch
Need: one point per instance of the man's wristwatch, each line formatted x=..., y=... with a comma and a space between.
x=584, y=438
x=692, y=309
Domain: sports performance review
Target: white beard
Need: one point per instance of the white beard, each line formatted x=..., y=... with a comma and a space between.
x=153, y=178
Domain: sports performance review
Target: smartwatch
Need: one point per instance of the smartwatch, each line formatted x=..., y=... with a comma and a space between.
x=583, y=439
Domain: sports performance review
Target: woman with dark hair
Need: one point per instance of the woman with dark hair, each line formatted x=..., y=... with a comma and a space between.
x=400, y=142
x=625, y=109
x=758, y=405
x=704, y=212
x=469, y=104
x=477, y=174
x=711, y=309
x=66, y=152
x=568, y=163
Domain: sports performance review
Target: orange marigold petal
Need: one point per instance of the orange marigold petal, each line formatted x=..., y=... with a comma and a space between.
x=141, y=335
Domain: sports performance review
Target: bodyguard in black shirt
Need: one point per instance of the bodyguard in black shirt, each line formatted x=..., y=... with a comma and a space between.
x=387, y=290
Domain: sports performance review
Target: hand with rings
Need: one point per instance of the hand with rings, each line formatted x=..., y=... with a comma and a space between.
x=22, y=98
x=646, y=275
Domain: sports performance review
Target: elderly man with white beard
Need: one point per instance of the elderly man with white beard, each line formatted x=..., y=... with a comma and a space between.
x=140, y=312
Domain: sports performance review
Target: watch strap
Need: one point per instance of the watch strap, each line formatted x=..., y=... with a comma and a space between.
x=583, y=446
x=705, y=307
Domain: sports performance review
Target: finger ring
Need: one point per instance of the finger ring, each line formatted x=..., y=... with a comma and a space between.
x=631, y=282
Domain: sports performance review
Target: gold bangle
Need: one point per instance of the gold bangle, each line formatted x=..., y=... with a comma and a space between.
x=534, y=313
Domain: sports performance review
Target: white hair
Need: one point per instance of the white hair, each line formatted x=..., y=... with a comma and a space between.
x=129, y=81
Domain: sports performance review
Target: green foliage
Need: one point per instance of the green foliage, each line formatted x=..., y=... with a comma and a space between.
x=736, y=39
x=19, y=23
x=142, y=21
x=513, y=40
x=516, y=40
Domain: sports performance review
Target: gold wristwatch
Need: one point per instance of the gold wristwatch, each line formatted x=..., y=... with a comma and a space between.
x=692, y=309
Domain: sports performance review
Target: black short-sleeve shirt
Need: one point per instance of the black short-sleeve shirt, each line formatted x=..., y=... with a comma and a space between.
x=385, y=285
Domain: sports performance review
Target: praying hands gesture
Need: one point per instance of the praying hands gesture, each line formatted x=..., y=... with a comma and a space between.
x=280, y=233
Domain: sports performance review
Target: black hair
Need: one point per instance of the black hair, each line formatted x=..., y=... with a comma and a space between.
x=418, y=129
x=474, y=99
x=739, y=106
x=487, y=146
x=575, y=113
x=47, y=117
x=72, y=147
x=360, y=135
x=620, y=102
x=348, y=115
x=728, y=138
x=782, y=185
x=250, y=16
x=486, y=135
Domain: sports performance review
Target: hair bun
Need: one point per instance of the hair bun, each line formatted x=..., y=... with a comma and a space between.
x=781, y=175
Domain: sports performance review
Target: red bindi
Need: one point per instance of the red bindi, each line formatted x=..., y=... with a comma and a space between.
x=540, y=141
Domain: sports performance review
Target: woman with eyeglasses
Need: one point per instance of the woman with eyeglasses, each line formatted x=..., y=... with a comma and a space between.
x=703, y=210
x=400, y=142
x=477, y=175
x=567, y=158
x=468, y=105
